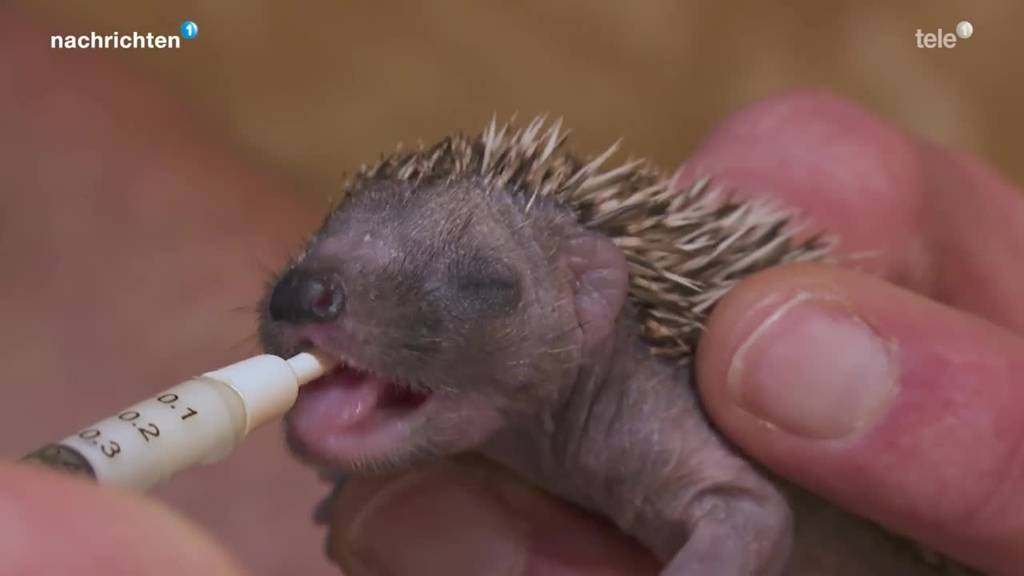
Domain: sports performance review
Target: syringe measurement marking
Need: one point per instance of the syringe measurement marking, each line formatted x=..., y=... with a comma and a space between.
x=170, y=397
x=109, y=449
x=147, y=430
x=112, y=448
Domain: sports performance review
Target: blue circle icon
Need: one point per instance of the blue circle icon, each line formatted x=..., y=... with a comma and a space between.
x=189, y=29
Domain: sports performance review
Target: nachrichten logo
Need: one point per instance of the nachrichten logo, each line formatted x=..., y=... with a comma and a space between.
x=129, y=41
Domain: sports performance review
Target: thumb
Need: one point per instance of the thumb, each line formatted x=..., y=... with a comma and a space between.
x=891, y=405
x=54, y=523
x=471, y=518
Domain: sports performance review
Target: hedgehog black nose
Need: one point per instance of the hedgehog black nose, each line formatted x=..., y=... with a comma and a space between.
x=307, y=296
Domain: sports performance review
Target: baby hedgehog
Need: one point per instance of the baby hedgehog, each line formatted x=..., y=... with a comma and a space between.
x=496, y=295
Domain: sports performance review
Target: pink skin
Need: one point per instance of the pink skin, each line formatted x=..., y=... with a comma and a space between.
x=812, y=151
x=53, y=524
x=343, y=415
x=346, y=415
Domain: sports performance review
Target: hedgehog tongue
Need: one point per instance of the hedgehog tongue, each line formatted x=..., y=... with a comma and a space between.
x=337, y=402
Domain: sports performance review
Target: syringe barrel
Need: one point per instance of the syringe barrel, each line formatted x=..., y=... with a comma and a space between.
x=196, y=422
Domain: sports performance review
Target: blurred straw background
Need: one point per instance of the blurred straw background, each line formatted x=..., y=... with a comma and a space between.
x=320, y=87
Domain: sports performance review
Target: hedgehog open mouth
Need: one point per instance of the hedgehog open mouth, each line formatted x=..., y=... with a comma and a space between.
x=349, y=415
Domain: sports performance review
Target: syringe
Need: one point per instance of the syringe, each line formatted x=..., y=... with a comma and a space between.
x=199, y=421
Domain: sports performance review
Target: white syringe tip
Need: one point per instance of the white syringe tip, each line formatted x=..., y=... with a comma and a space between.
x=309, y=366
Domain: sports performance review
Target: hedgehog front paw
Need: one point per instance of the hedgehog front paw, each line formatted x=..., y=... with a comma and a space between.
x=735, y=535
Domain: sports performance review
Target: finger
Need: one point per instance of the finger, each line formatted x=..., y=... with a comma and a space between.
x=54, y=524
x=458, y=519
x=934, y=220
x=889, y=404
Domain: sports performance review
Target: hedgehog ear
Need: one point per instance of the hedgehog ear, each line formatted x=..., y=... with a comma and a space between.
x=601, y=284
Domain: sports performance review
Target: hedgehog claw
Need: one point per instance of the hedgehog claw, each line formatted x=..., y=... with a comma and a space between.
x=322, y=511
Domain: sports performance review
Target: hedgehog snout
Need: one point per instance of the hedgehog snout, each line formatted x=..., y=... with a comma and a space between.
x=303, y=295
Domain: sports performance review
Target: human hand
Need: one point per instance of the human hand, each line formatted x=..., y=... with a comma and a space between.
x=892, y=394
x=896, y=395
x=57, y=524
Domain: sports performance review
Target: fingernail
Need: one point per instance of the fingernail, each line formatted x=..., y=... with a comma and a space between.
x=421, y=525
x=814, y=369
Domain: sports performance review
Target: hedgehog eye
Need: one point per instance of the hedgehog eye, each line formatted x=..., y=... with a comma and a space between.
x=484, y=284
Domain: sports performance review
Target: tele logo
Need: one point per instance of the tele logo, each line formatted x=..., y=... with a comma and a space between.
x=940, y=39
